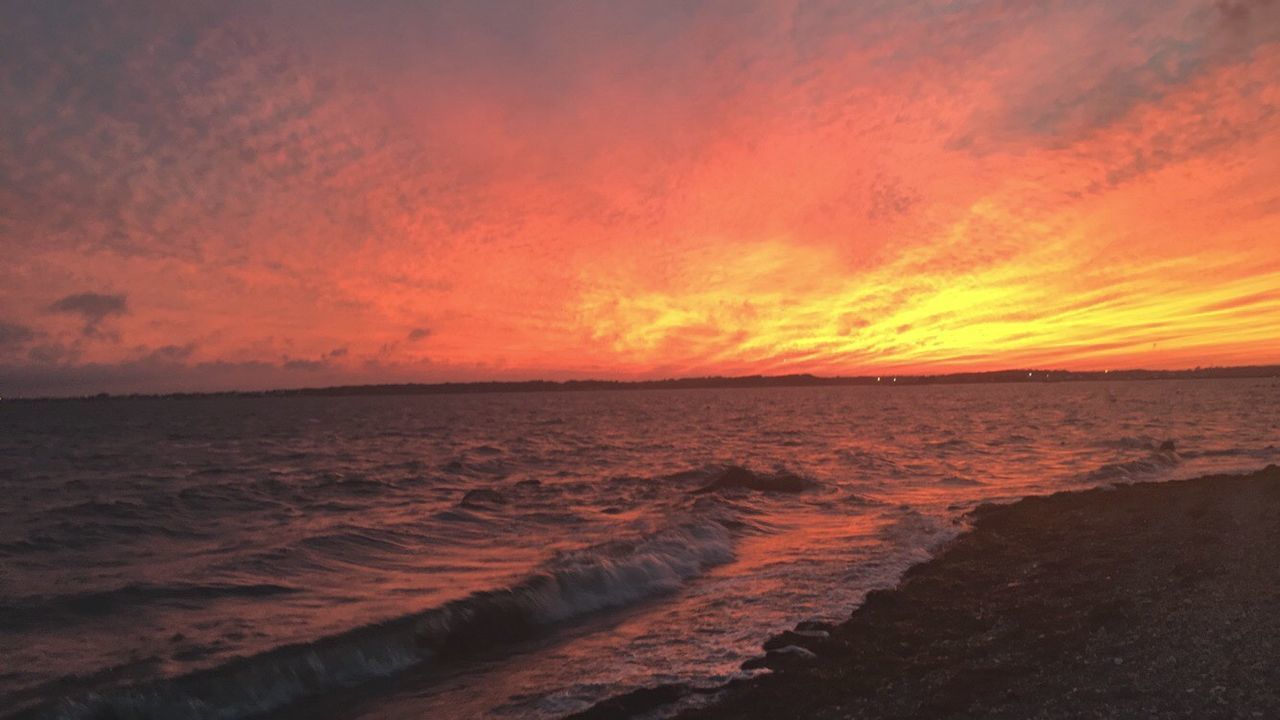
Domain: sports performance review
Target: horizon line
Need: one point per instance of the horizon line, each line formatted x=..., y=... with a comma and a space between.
x=1006, y=376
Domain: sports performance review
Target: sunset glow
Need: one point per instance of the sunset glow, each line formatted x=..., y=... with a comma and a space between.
x=321, y=193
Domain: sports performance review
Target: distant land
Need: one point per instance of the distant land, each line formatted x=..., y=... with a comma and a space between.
x=744, y=381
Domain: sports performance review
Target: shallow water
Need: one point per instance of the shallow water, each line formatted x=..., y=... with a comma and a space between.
x=515, y=555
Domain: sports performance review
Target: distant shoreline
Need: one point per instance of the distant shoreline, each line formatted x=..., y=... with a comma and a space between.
x=713, y=382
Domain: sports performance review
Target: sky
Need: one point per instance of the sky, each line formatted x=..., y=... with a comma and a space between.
x=245, y=195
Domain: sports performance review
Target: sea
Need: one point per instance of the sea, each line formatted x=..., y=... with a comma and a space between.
x=516, y=555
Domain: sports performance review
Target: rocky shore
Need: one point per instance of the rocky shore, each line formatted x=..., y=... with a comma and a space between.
x=1151, y=600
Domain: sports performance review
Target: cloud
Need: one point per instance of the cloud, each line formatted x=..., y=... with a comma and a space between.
x=169, y=369
x=53, y=354
x=850, y=323
x=13, y=334
x=890, y=200
x=92, y=307
x=1095, y=64
x=582, y=188
x=308, y=365
x=170, y=353
x=1244, y=12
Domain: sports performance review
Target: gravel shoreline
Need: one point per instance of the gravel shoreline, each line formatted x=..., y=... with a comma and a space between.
x=1150, y=600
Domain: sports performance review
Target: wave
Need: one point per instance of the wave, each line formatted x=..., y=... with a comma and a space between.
x=569, y=586
x=59, y=609
x=482, y=497
x=868, y=461
x=87, y=534
x=114, y=509
x=573, y=584
x=1261, y=453
x=914, y=530
x=949, y=444
x=735, y=477
x=1159, y=460
x=1137, y=442
x=959, y=481
x=492, y=466
x=354, y=484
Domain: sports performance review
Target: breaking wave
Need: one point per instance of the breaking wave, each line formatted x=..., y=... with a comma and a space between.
x=734, y=477
x=1157, y=461
x=569, y=586
x=1137, y=442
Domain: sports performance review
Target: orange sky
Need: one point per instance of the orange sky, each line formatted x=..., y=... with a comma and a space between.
x=311, y=193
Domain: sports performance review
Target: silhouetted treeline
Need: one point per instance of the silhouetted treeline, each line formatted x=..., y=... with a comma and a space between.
x=745, y=381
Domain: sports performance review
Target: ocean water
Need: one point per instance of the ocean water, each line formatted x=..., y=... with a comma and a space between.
x=515, y=555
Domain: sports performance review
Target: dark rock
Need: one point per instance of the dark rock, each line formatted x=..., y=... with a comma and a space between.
x=633, y=703
x=814, y=625
x=782, y=659
x=807, y=639
x=1148, y=600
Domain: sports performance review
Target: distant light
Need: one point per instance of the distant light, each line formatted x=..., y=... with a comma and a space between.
x=877, y=379
x=1028, y=374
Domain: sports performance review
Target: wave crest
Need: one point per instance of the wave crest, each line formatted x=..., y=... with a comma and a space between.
x=570, y=585
x=735, y=477
x=1159, y=460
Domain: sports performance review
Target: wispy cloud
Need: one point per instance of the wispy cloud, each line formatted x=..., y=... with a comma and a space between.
x=12, y=334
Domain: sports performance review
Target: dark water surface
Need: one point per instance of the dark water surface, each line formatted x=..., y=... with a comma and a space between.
x=514, y=555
